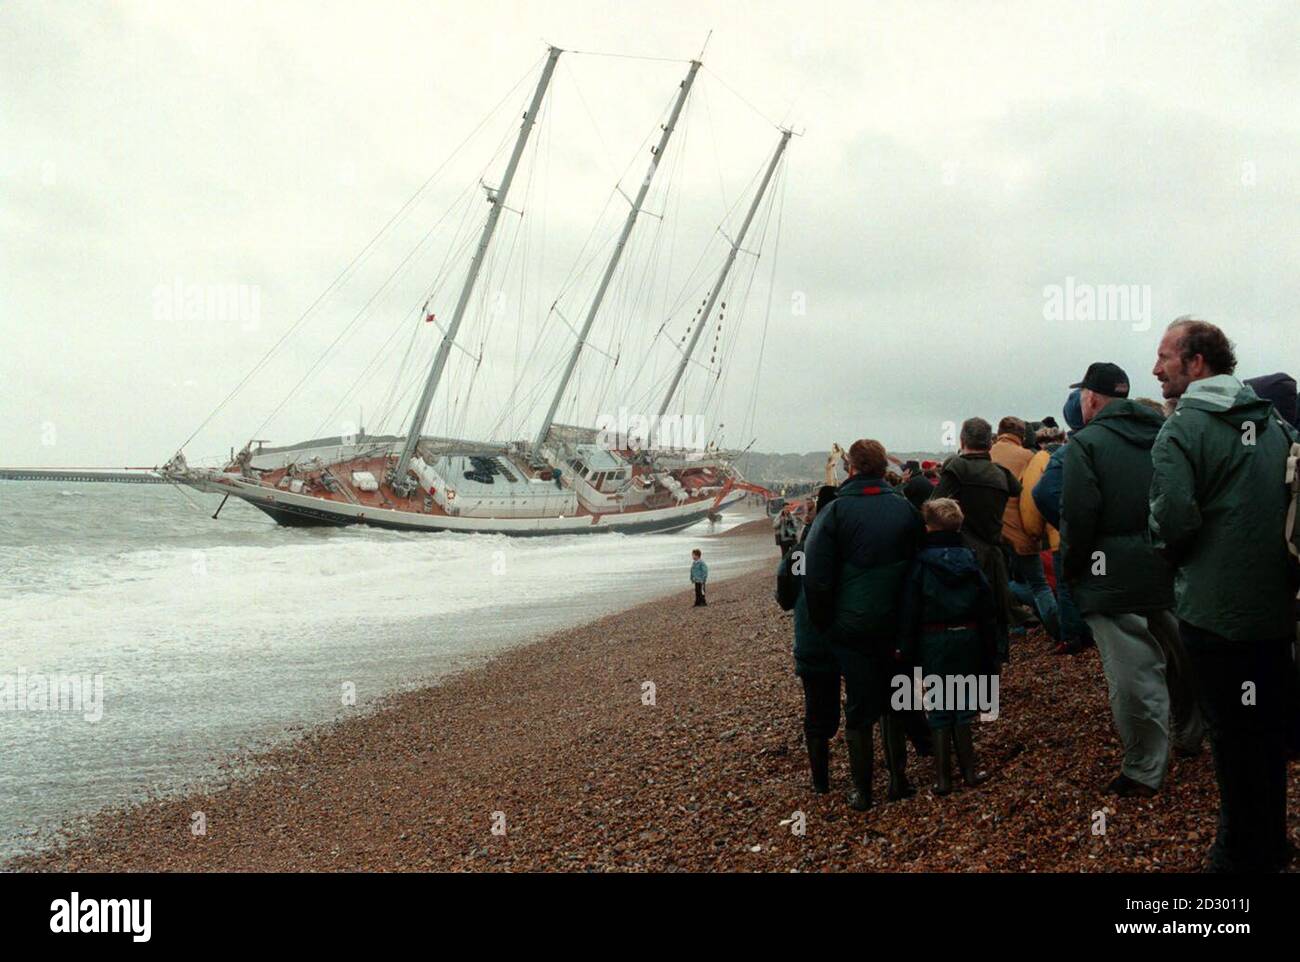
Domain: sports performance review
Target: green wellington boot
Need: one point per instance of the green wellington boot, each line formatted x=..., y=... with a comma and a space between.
x=859, y=745
x=943, y=761
x=965, y=746
x=894, y=736
x=819, y=763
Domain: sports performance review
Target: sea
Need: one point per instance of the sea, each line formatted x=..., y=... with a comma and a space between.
x=145, y=646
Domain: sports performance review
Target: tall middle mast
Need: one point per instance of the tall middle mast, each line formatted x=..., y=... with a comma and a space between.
x=496, y=198
x=726, y=269
x=656, y=154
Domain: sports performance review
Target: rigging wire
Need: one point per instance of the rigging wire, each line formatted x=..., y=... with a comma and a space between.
x=717, y=157
x=580, y=266
x=357, y=259
x=461, y=241
x=625, y=56
x=741, y=97
x=500, y=263
x=404, y=267
x=767, y=318
x=180, y=488
x=389, y=286
x=608, y=154
x=718, y=386
x=645, y=293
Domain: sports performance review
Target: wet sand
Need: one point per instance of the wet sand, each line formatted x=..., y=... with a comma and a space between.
x=554, y=745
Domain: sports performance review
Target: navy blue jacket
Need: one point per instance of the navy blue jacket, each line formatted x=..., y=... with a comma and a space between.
x=858, y=553
x=1047, y=492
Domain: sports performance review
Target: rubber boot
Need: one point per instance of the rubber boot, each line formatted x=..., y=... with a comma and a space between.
x=859, y=745
x=919, y=734
x=966, y=761
x=943, y=761
x=895, y=742
x=819, y=762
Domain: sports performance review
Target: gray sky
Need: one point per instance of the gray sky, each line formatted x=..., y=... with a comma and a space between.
x=957, y=159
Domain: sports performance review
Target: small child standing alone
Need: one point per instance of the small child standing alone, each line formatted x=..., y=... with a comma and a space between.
x=699, y=575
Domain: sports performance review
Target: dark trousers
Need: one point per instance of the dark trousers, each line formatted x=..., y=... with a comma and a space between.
x=699, y=594
x=1248, y=742
x=865, y=685
x=1073, y=627
x=918, y=731
x=821, y=703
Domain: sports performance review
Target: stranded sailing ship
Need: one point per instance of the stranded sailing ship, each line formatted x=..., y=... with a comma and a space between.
x=566, y=479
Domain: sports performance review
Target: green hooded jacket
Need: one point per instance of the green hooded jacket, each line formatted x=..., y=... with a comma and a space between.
x=1107, y=478
x=1218, y=510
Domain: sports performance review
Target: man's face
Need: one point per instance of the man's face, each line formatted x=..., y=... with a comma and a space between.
x=1091, y=402
x=1171, y=370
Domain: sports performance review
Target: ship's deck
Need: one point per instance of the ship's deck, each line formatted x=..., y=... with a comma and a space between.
x=467, y=489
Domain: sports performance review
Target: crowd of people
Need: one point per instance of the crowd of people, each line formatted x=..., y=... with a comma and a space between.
x=1161, y=532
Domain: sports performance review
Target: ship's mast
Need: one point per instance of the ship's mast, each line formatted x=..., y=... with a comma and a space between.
x=656, y=154
x=726, y=269
x=496, y=198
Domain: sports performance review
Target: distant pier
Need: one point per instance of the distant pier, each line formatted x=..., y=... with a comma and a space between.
x=136, y=476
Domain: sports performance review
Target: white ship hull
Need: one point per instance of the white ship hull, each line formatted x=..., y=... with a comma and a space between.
x=288, y=508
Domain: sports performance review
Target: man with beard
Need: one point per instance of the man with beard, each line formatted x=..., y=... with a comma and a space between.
x=1218, y=511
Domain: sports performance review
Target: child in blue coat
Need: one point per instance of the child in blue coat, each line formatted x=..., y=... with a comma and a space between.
x=948, y=629
x=699, y=575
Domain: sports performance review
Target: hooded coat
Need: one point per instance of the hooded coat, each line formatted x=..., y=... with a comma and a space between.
x=947, y=624
x=1218, y=510
x=1106, y=550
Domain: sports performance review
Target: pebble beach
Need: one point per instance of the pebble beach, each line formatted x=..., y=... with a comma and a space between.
x=662, y=738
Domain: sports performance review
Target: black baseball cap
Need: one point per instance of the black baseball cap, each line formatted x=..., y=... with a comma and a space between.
x=1105, y=378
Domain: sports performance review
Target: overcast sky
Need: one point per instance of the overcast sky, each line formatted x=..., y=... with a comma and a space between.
x=958, y=161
